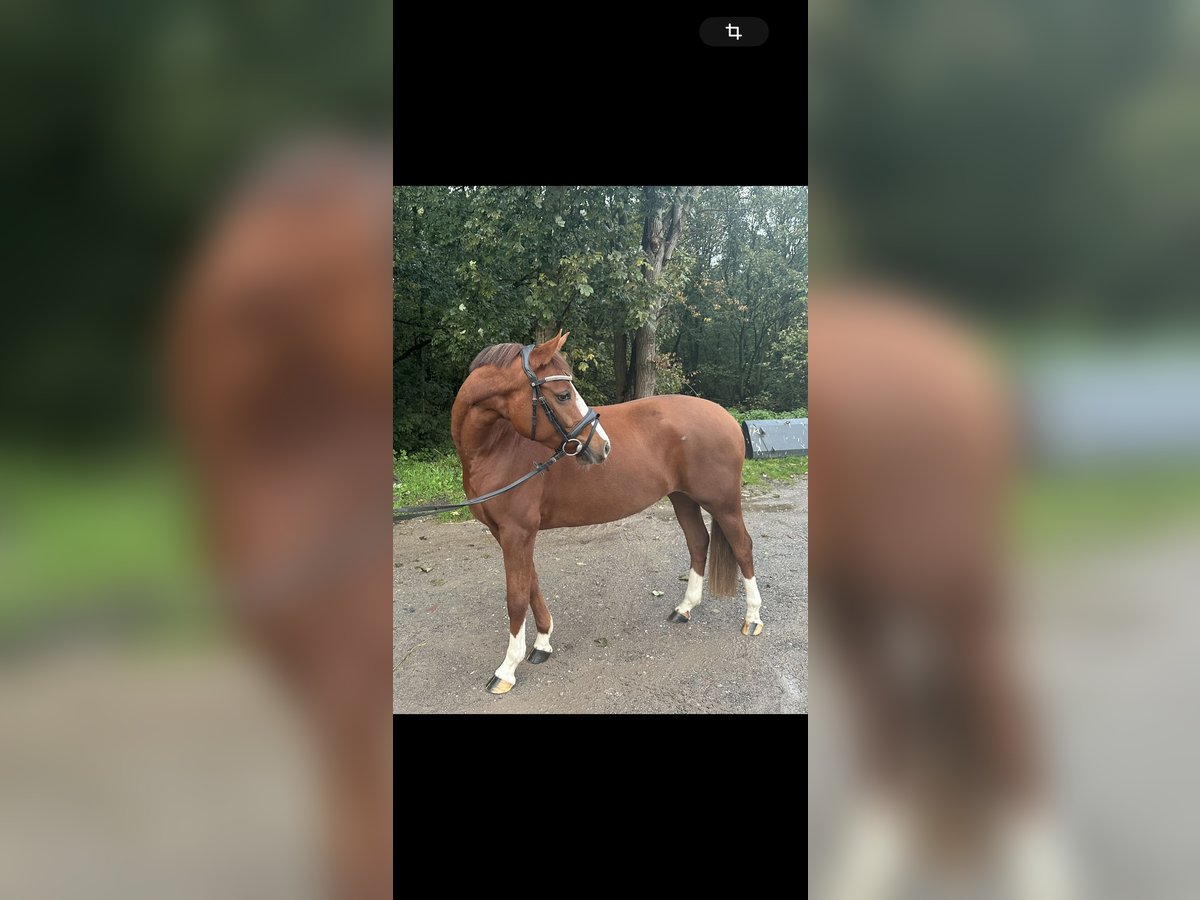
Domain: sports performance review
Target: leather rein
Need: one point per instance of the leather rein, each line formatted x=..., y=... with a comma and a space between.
x=591, y=417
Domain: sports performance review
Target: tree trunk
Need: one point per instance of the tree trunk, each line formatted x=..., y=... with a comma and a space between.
x=645, y=358
x=620, y=364
x=543, y=333
x=659, y=238
x=631, y=373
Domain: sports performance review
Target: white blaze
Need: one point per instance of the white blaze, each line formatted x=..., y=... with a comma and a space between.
x=583, y=410
x=695, y=590
x=753, y=601
x=516, y=653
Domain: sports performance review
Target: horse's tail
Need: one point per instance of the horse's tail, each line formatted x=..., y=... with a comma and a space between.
x=722, y=567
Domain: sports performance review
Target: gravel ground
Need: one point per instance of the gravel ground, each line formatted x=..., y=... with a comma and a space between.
x=614, y=650
x=153, y=771
x=1108, y=641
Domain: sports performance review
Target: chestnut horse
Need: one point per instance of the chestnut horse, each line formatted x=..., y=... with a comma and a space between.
x=278, y=370
x=917, y=454
x=684, y=448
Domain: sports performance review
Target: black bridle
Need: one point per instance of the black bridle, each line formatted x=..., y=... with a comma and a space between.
x=591, y=417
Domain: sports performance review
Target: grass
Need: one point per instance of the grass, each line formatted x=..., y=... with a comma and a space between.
x=94, y=541
x=430, y=478
x=762, y=472
x=1103, y=505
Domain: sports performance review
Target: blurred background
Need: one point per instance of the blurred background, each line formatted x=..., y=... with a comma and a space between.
x=1032, y=168
x=130, y=724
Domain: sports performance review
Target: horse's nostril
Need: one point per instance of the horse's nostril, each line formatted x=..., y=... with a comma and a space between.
x=607, y=447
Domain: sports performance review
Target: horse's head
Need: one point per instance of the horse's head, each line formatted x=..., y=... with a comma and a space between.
x=536, y=393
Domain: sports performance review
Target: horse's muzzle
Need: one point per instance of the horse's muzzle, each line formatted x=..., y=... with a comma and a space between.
x=594, y=455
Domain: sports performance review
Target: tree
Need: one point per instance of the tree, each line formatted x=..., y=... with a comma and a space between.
x=715, y=307
x=747, y=286
x=665, y=210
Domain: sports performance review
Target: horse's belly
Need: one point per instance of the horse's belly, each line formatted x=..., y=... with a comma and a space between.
x=593, y=497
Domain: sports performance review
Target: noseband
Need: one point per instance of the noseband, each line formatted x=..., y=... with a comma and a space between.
x=591, y=418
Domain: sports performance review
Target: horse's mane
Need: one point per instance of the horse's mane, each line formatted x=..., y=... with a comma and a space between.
x=501, y=355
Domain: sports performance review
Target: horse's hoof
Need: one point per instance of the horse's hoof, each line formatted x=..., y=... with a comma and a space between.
x=498, y=686
x=677, y=616
x=539, y=656
x=756, y=626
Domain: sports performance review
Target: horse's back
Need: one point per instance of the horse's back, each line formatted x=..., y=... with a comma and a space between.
x=696, y=443
x=675, y=413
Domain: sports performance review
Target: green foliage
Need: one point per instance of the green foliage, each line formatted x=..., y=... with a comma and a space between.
x=784, y=372
x=743, y=414
x=474, y=266
x=141, y=116
x=740, y=325
x=671, y=378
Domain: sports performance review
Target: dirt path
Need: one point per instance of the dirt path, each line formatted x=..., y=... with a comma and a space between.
x=153, y=770
x=614, y=650
x=1108, y=642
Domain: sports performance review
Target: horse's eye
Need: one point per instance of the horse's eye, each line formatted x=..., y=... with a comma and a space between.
x=564, y=396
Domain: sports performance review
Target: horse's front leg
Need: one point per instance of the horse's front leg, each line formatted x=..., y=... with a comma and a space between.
x=541, y=616
x=518, y=572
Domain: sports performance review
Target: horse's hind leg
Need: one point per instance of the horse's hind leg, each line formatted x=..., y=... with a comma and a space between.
x=545, y=624
x=732, y=542
x=518, y=572
x=691, y=520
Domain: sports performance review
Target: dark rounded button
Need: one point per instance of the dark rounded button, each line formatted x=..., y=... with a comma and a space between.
x=719, y=31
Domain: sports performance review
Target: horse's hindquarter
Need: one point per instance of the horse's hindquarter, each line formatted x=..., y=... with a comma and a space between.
x=659, y=445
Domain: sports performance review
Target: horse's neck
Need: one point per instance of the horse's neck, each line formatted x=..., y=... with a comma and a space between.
x=485, y=437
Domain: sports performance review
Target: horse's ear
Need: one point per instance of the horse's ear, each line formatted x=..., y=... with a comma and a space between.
x=543, y=353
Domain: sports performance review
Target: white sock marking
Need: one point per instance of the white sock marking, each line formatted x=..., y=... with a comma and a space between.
x=516, y=653
x=542, y=641
x=695, y=590
x=1039, y=864
x=874, y=856
x=753, y=601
